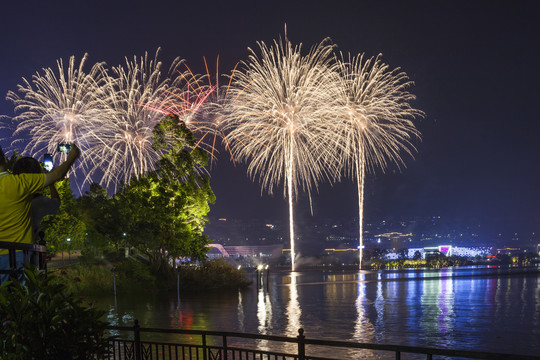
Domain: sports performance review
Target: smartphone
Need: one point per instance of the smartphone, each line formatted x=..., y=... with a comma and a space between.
x=47, y=162
x=64, y=148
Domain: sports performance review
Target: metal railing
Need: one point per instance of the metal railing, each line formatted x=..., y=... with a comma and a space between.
x=32, y=254
x=214, y=345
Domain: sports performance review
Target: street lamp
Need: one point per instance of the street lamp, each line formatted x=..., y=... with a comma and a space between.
x=69, y=249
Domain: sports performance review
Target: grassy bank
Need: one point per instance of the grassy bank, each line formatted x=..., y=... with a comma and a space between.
x=92, y=279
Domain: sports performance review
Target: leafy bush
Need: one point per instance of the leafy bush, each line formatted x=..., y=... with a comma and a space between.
x=42, y=320
x=87, y=258
x=114, y=255
x=132, y=274
x=215, y=274
x=95, y=280
x=86, y=280
x=134, y=270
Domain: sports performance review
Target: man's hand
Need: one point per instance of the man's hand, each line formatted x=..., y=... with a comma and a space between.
x=61, y=171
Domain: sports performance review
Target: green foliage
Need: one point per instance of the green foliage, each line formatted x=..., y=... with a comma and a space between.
x=164, y=212
x=164, y=220
x=134, y=271
x=161, y=214
x=172, y=137
x=97, y=280
x=215, y=274
x=86, y=280
x=41, y=320
x=434, y=261
x=99, y=213
x=88, y=258
x=132, y=275
x=414, y=263
x=65, y=224
x=11, y=161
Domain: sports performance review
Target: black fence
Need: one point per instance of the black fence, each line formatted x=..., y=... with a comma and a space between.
x=217, y=345
x=31, y=253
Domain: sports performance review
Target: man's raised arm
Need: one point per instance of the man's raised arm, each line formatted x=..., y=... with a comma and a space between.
x=61, y=171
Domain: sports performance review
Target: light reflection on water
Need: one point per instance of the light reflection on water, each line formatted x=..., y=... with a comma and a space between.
x=450, y=308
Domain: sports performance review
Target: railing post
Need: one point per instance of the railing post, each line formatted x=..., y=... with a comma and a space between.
x=224, y=347
x=42, y=263
x=113, y=270
x=267, y=278
x=26, y=256
x=204, y=355
x=258, y=279
x=137, y=343
x=301, y=345
x=398, y=355
x=12, y=264
x=12, y=259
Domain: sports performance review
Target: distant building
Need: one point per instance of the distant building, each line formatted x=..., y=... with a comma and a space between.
x=396, y=238
x=509, y=251
x=449, y=250
x=256, y=253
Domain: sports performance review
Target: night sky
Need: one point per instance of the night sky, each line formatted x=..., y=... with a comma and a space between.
x=475, y=66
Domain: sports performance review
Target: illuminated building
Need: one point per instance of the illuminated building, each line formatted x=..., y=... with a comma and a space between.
x=266, y=253
x=396, y=238
x=509, y=251
x=449, y=250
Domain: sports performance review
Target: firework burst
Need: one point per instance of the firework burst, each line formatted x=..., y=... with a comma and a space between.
x=283, y=104
x=201, y=103
x=59, y=106
x=375, y=124
x=124, y=137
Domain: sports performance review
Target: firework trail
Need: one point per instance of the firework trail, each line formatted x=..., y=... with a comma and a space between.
x=124, y=138
x=283, y=104
x=374, y=127
x=59, y=107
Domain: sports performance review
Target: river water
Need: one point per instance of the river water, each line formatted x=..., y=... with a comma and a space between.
x=468, y=308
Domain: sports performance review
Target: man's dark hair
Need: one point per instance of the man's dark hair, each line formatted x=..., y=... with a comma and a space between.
x=27, y=165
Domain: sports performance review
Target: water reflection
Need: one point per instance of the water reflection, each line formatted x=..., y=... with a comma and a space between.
x=379, y=308
x=363, y=328
x=536, y=315
x=240, y=312
x=293, y=310
x=438, y=304
x=444, y=308
x=445, y=301
x=264, y=311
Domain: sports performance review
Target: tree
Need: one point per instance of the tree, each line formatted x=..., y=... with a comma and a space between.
x=165, y=211
x=100, y=214
x=65, y=224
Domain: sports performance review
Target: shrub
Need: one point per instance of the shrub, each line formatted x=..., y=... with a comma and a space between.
x=216, y=274
x=134, y=270
x=89, y=259
x=86, y=280
x=42, y=320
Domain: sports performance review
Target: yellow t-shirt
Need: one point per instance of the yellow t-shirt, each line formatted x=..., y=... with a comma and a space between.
x=15, y=201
